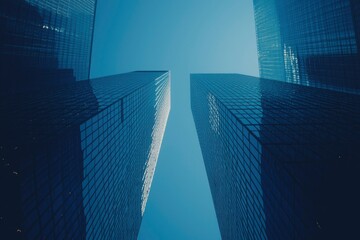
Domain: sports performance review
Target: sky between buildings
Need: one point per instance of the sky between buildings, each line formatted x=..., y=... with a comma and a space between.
x=184, y=36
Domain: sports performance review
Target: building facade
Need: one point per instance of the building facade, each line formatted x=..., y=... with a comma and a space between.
x=50, y=41
x=314, y=43
x=281, y=159
x=78, y=159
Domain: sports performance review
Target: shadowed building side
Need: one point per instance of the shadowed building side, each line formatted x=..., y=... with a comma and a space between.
x=281, y=159
x=78, y=159
x=44, y=43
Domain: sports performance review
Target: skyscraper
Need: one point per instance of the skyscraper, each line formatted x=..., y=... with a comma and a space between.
x=78, y=159
x=314, y=43
x=44, y=43
x=281, y=159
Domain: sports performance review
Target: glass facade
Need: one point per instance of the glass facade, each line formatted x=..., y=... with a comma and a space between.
x=282, y=159
x=314, y=43
x=77, y=160
x=48, y=40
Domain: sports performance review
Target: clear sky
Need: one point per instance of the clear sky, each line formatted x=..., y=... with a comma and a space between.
x=184, y=36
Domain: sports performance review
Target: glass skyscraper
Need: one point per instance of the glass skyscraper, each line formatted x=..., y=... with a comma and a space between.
x=314, y=43
x=44, y=43
x=77, y=160
x=282, y=159
x=77, y=157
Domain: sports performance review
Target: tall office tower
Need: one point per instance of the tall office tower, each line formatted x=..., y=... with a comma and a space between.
x=50, y=41
x=77, y=160
x=282, y=159
x=310, y=42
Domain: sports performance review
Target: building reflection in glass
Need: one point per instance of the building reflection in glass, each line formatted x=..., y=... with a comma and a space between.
x=282, y=162
x=313, y=43
x=44, y=43
x=77, y=157
x=77, y=160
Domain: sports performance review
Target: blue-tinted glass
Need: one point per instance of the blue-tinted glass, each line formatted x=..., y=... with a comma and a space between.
x=309, y=42
x=282, y=159
x=77, y=160
x=44, y=43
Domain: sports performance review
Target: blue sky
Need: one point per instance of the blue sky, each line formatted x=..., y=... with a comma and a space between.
x=184, y=36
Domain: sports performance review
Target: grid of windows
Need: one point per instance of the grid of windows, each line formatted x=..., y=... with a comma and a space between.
x=314, y=43
x=281, y=159
x=117, y=154
x=49, y=40
x=78, y=160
